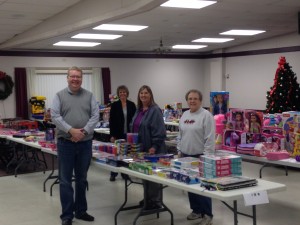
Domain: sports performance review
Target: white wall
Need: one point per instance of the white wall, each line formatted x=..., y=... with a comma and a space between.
x=169, y=78
x=250, y=77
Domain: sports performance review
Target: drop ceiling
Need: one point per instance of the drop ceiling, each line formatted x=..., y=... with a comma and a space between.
x=35, y=25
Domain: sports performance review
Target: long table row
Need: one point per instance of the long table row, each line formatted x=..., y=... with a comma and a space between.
x=224, y=196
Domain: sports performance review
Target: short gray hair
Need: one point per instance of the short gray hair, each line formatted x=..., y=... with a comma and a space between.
x=194, y=91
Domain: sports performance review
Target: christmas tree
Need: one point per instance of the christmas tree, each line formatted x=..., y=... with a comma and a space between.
x=284, y=94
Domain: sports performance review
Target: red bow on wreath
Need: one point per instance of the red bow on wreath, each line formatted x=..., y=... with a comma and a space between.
x=2, y=75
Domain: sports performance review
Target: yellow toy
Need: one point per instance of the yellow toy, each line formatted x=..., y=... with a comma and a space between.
x=37, y=104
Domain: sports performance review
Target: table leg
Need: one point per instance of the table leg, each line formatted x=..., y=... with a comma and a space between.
x=144, y=211
x=50, y=175
x=268, y=164
x=254, y=214
x=127, y=182
x=235, y=213
x=55, y=182
x=22, y=160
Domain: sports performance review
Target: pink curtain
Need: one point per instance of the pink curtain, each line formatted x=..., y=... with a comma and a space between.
x=21, y=93
x=106, y=84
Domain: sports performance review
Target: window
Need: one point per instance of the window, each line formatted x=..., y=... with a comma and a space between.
x=48, y=81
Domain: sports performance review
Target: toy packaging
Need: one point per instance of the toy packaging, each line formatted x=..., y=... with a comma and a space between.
x=228, y=183
x=237, y=118
x=273, y=120
x=185, y=162
x=297, y=145
x=37, y=106
x=278, y=155
x=219, y=102
x=220, y=122
x=253, y=121
x=290, y=127
x=231, y=138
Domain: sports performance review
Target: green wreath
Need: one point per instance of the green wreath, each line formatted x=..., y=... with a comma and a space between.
x=8, y=85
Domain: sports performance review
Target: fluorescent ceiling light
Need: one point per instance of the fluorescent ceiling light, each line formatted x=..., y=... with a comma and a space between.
x=190, y=4
x=243, y=32
x=120, y=27
x=188, y=46
x=97, y=36
x=213, y=40
x=76, y=44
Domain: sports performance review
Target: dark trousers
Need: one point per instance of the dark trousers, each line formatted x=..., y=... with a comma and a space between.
x=152, y=193
x=198, y=203
x=73, y=158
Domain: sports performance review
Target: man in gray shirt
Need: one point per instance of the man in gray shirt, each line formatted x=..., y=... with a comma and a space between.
x=75, y=113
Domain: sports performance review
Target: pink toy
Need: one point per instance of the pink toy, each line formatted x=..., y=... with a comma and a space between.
x=231, y=140
x=220, y=123
x=278, y=155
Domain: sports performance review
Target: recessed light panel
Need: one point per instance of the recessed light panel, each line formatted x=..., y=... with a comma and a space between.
x=97, y=36
x=120, y=27
x=76, y=44
x=190, y=4
x=213, y=40
x=243, y=32
x=188, y=46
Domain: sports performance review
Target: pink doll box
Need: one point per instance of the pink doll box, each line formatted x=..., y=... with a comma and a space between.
x=237, y=117
x=253, y=138
x=253, y=121
x=231, y=139
x=279, y=140
x=278, y=155
x=266, y=137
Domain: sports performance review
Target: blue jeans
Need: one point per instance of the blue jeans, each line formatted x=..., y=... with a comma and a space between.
x=73, y=158
x=198, y=203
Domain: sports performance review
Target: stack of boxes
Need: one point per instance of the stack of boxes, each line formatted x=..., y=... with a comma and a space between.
x=211, y=166
x=185, y=170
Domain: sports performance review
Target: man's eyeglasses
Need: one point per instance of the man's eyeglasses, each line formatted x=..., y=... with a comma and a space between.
x=76, y=77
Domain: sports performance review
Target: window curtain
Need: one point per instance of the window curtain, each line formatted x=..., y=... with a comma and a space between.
x=21, y=93
x=97, y=85
x=106, y=84
x=39, y=80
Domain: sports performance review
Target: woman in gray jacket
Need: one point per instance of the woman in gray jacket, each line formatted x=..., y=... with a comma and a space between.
x=149, y=124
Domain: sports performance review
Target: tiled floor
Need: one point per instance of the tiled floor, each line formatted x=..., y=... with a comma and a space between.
x=23, y=202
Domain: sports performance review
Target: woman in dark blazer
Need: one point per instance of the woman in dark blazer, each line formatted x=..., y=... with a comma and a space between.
x=121, y=113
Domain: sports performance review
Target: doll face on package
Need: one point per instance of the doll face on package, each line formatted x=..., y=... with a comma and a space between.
x=254, y=121
x=239, y=121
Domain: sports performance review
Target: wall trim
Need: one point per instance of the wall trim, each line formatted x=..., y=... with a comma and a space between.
x=146, y=55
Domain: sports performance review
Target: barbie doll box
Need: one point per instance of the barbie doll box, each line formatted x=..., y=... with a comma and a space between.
x=219, y=102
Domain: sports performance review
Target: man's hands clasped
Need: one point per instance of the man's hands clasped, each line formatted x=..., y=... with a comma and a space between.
x=76, y=134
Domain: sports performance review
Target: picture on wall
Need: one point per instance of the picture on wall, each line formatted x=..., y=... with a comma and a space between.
x=219, y=102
